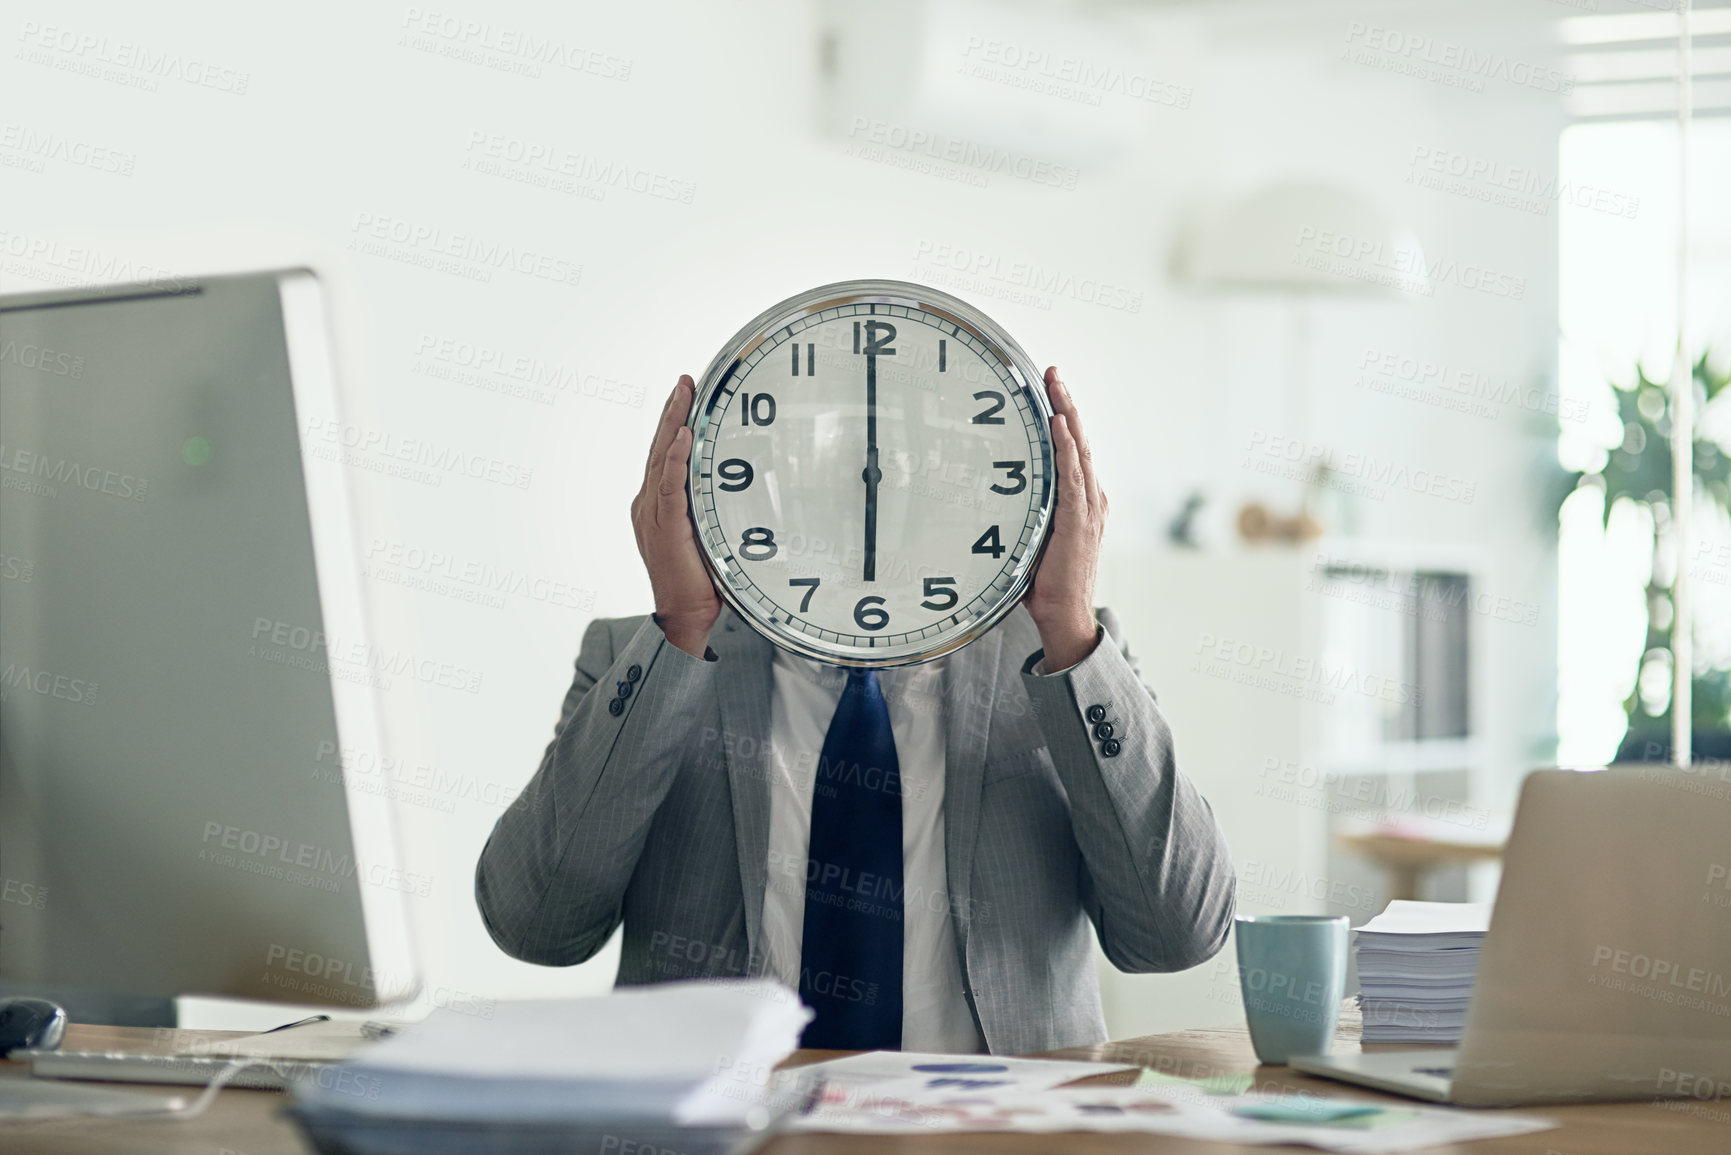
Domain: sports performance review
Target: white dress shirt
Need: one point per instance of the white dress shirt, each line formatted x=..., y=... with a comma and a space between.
x=935, y=1013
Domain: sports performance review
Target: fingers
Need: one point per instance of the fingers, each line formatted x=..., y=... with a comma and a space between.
x=670, y=490
x=1073, y=418
x=1072, y=484
x=1086, y=486
x=672, y=419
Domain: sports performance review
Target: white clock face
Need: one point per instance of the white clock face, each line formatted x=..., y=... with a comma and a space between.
x=871, y=476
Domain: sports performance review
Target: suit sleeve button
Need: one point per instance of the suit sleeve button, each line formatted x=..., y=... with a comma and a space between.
x=1096, y=713
x=623, y=688
x=1104, y=731
x=1110, y=747
x=634, y=673
x=616, y=707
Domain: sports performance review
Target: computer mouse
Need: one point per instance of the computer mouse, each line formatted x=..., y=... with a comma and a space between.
x=30, y=1023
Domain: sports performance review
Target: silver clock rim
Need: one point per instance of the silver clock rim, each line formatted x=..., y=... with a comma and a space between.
x=886, y=292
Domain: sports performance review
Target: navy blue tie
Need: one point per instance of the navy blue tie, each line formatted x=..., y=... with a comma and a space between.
x=850, y=969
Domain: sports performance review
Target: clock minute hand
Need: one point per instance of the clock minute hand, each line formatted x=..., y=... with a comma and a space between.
x=871, y=474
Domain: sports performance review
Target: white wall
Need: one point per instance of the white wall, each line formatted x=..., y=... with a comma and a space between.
x=350, y=117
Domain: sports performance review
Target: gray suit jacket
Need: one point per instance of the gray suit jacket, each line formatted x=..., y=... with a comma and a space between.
x=651, y=807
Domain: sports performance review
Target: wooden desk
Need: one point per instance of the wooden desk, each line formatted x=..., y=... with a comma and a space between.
x=248, y=1123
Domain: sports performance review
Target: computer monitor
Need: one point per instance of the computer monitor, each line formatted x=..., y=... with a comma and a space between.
x=185, y=670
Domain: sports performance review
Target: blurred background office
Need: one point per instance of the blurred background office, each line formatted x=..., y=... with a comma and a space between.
x=1371, y=309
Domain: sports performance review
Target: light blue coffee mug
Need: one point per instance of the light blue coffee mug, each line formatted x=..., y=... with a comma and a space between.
x=1292, y=970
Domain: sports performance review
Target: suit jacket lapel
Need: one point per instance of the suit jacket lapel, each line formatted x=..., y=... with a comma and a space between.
x=970, y=688
x=744, y=693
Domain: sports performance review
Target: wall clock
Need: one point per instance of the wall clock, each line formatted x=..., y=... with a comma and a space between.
x=871, y=473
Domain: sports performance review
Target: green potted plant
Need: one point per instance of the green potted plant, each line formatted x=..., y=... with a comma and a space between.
x=1639, y=471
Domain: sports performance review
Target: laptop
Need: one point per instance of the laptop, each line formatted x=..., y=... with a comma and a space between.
x=1606, y=972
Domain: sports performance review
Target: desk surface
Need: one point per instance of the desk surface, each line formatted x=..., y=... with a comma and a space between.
x=248, y=1122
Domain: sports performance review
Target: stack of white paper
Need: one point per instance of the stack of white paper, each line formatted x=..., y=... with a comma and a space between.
x=692, y=1054
x=1416, y=964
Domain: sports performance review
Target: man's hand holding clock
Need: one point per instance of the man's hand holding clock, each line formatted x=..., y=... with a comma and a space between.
x=1061, y=601
x=685, y=603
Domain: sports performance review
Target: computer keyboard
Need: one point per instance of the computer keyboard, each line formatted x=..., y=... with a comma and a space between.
x=183, y=1070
